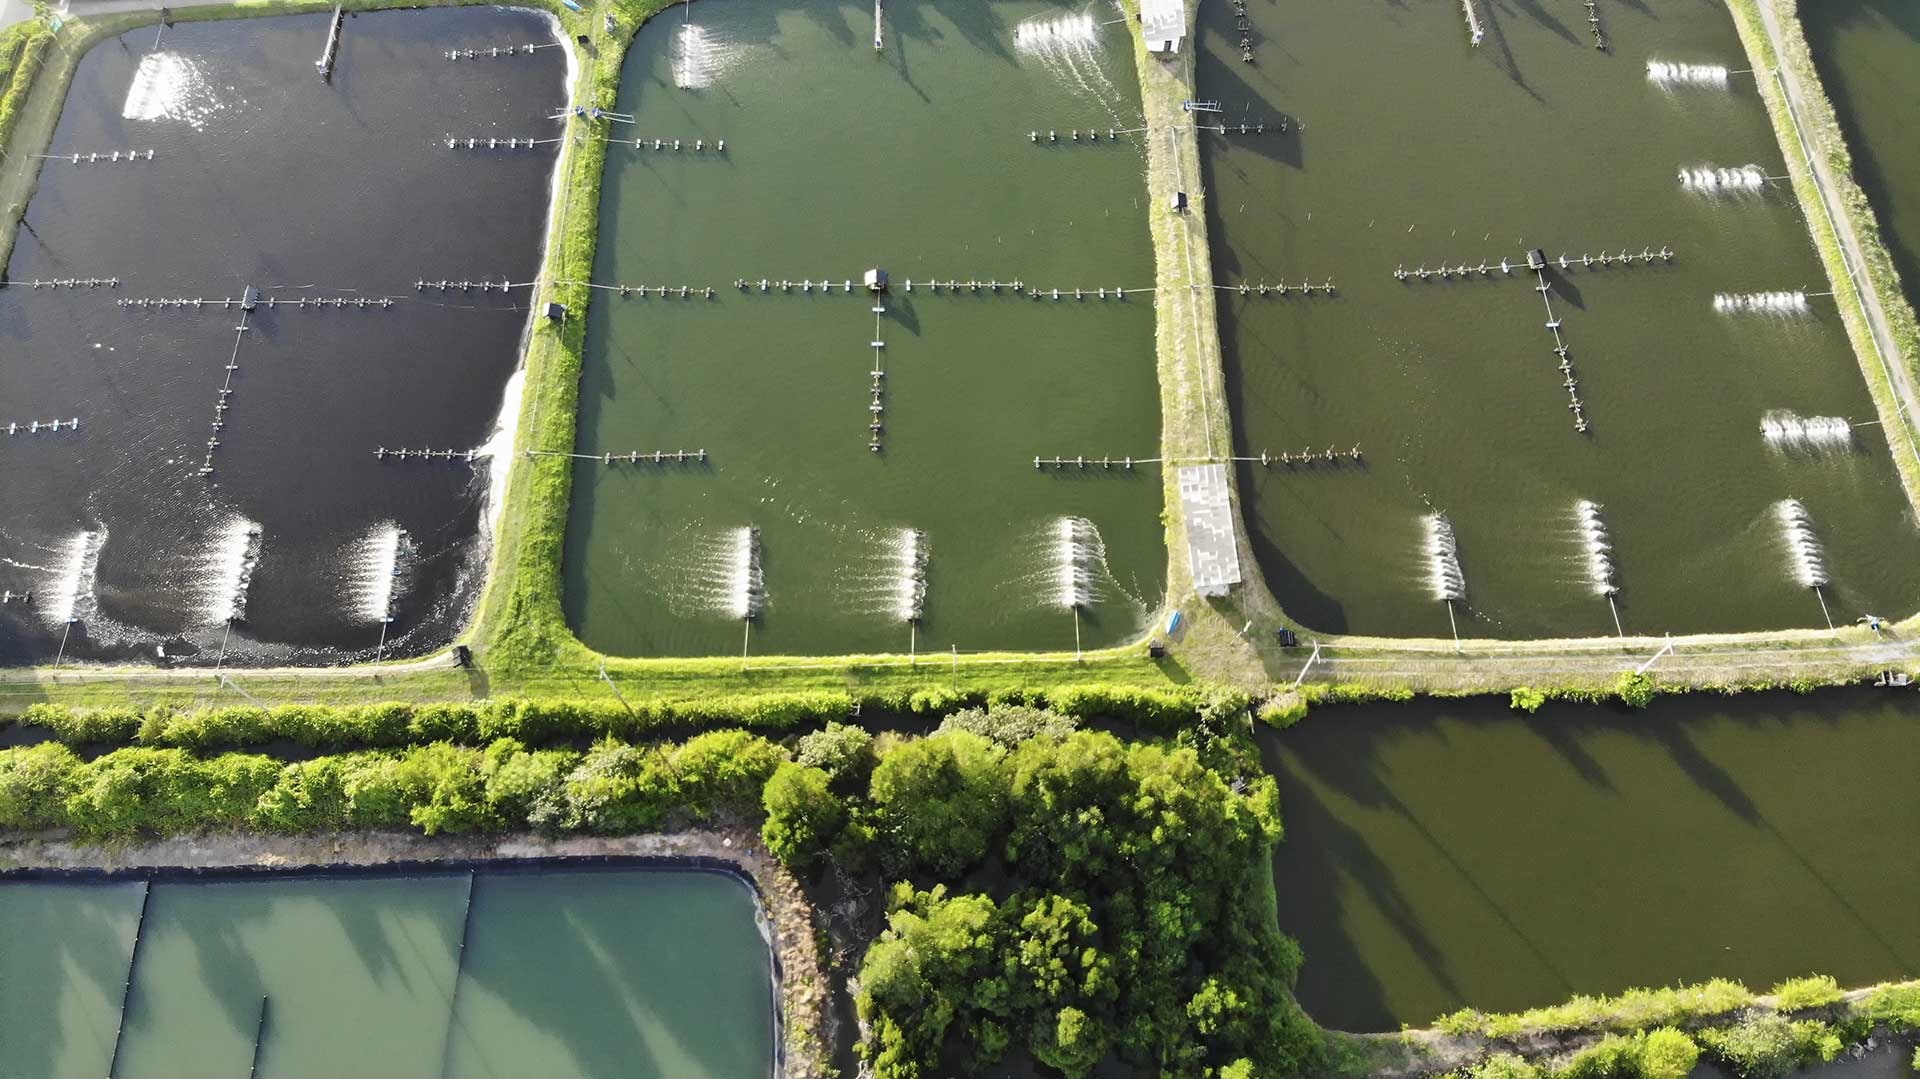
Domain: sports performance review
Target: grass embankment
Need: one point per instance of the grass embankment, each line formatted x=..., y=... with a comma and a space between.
x=1195, y=423
x=1820, y=127
x=1646, y=1034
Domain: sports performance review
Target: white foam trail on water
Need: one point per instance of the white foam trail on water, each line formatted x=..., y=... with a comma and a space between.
x=498, y=450
x=1745, y=180
x=228, y=571
x=700, y=58
x=168, y=86
x=1782, y=304
x=70, y=593
x=1068, y=47
x=910, y=574
x=1442, y=552
x=746, y=592
x=1079, y=561
x=1793, y=433
x=1596, y=547
x=374, y=570
x=1805, y=557
x=1667, y=74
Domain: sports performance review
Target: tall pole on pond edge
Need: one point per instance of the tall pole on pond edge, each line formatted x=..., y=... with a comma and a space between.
x=381, y=651
x=913, y=642
x=1455, y=625
x=63, y=644
x=956, y=660
x=746, y=634
x=1824, y=613
x=222, y=661
x=1611, y=606
x=1076, y=634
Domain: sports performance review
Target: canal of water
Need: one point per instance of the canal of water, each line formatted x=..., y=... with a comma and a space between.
x=573, y=975
x=1868, y=55
x=1414, y=149
x=1460, y=854
x=916, y=158
x=263, y=175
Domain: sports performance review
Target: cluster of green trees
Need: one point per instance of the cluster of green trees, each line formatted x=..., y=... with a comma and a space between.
x=1056, y=891
x=23, y=48
x=551, y=721
x=442, y=787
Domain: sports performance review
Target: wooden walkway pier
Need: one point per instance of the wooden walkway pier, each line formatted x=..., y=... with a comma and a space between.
x=1304, y=288
x=1537, y=262
x=1646, y=256
x=498, y=50
x=403, y=454
x=631, y=457
x=512, y=142
x=67, y=282
x=227, y=302
x=111, y=157
x=34, y=427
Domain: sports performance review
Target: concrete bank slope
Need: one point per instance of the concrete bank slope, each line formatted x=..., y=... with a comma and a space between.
x=1196, y=426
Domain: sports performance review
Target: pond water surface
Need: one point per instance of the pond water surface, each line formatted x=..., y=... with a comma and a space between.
x=263, y=175
x=1443, y=855
x=575, y=975
x=1416, y=150
x=916, y=158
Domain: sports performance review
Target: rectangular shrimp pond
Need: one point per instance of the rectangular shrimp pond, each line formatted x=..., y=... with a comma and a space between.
x=1662, y=428
x=211, y=324
x=868, y=480
x=564, y=974
x=1450, y=855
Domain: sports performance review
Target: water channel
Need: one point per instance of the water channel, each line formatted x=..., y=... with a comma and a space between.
x=568, y=974
x=1441, y=855
x=918, y=158
x=1716, y=387
x=262, y=175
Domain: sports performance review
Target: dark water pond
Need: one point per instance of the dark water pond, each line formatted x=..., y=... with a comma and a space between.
x=264, y=176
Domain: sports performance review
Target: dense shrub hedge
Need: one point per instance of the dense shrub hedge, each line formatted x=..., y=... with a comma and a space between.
x=543, y=722
x=438, y=787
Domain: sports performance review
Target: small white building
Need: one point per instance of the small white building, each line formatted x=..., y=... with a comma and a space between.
x=1164, y=25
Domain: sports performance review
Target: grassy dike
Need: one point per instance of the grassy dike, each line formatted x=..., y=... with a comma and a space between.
x=1876, y=278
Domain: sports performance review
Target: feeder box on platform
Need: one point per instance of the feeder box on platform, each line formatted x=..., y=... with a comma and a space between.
x=1536, y=259
x=876, y=279
x=556, y=312
x=1180, y=202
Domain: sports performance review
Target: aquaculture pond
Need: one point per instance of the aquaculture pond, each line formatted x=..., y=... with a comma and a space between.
x=1868, y=55
x=1731, y=474
x=222, y=484
x=1449, y=855
x=566, y=974
x=868, y=478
